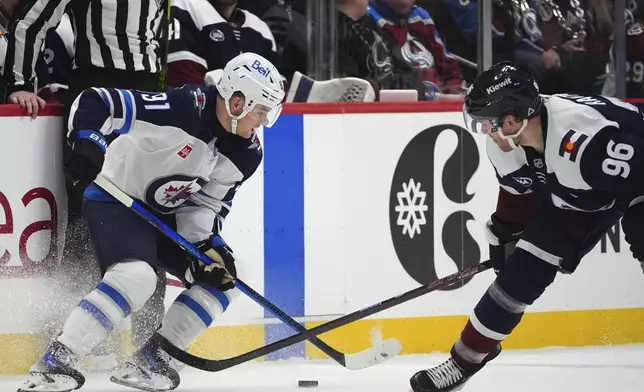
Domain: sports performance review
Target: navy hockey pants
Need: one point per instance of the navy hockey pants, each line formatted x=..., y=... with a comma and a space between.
x=118, y=233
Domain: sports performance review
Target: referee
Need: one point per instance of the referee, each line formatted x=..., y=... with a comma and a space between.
x=116, y=45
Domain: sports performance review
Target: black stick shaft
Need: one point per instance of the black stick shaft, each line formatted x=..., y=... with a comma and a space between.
x=217, y=365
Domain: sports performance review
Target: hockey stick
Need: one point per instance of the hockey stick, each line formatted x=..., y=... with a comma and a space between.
x=165, y=34
x=211, y=365
x=369, y=357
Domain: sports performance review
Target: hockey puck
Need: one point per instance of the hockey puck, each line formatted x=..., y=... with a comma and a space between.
x=307, y=384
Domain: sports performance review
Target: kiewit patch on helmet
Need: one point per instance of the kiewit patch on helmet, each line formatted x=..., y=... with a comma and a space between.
x=496, y=87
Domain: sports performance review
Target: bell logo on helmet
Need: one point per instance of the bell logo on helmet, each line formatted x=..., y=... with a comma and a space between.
x=258, y=66
x=497, y=86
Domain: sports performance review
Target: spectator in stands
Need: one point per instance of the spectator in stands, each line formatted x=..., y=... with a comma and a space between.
x=413, y=30
x=209, y=33
x=634, y=55
x=285, y=23
x=580, y=33
x=54, y=68
x=365, y=51
x=42, y=70
x=457, y=20
x=6, y=10
x=259, y=8
x=3, y=53
x=115, y=46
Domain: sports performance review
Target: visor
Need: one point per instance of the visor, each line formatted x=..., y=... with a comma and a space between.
x=263, y=114
x=479, y=124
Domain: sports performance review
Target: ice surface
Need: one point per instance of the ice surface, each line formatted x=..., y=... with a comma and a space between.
x=605, y=369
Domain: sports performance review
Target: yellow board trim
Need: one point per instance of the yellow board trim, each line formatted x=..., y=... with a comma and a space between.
x=417, y=335
x=226, y=342
x=537, y=330
x=19, y=351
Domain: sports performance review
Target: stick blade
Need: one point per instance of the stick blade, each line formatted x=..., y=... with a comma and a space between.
x=374, y=355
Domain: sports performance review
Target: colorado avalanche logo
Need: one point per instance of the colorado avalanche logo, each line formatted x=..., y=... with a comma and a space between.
x=380, y=58
x=416, y=54
x=167, y=193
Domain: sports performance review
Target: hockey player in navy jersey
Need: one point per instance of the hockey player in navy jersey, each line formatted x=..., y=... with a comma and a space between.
x=569, y=167
x=208, y=33
x=184, y=153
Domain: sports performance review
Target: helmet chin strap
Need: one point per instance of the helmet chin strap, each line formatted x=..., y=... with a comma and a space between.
x=233, y=124
x=512, y=138
x=234, y=119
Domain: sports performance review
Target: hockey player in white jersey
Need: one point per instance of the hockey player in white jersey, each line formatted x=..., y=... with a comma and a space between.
x=184, y=154
x=568, y=167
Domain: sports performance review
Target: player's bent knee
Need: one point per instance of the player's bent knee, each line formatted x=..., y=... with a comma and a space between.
x=134, y=279
x=526, y=276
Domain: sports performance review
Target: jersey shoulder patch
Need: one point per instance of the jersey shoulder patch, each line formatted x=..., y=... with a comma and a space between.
x=571, y=127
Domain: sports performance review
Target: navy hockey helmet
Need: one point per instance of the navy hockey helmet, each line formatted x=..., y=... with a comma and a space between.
x=503, y=89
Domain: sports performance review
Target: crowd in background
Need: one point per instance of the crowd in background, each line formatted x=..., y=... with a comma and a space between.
x=425, y=45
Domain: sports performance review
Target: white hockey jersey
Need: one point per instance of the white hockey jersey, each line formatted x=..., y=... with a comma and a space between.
x=171, y=153
x=593, y=158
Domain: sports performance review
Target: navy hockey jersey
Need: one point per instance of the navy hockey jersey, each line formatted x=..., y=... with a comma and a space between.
x=528, y=35
x=171, y=153
x=55, y=66
x=593, y=158
x=202, y=40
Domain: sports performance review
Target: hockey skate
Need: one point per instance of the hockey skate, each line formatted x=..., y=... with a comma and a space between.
x=149, y=369
x=449, y=376
x=54, y=372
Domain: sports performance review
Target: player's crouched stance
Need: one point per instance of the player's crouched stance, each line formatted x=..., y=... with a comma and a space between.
x=568, y=167
x=183, y=153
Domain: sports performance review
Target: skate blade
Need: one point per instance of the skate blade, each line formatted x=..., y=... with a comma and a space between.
x=49, y=386
x=138, y=385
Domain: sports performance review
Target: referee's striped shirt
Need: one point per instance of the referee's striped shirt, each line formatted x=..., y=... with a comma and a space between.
x=111, y=34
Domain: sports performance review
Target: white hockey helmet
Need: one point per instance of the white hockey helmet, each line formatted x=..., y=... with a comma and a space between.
x=261, y=84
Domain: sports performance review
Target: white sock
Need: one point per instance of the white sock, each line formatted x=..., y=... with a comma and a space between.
x=192, y=312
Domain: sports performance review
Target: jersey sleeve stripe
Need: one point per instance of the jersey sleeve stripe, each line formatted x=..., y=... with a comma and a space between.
x=127, y=100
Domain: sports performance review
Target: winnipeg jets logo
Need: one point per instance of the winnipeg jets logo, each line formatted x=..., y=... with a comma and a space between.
x=172, y=194
x=167, y=193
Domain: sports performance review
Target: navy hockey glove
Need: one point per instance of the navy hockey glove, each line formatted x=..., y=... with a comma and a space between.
x=633, y=227
x=502, y=242
x=87, y=156
x=222, y=272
